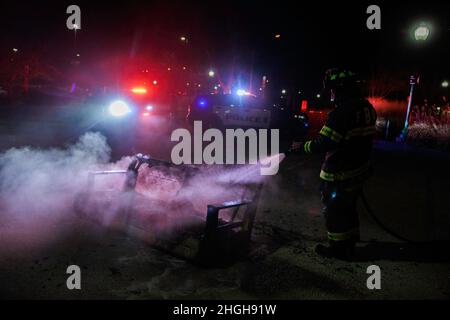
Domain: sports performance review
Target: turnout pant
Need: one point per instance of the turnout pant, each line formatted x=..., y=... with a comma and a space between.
x=341, y=216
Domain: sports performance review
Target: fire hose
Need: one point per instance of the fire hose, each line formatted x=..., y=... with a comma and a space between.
x=289, y=234
x=383, y=226
x=378, y=221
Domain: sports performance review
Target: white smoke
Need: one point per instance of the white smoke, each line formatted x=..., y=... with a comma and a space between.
x=38, y=189
x=40, y=182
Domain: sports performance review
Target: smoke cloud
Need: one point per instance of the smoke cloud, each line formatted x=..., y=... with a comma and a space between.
x=38, y=190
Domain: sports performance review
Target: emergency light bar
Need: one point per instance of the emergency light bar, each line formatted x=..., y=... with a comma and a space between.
x=139, y=90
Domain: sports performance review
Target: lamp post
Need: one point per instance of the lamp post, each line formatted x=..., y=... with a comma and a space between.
x=413, y=80
x=421, y=33
x=75, y=29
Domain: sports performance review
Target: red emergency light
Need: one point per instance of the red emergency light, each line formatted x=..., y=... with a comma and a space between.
x=304, y=106
x=139, y=90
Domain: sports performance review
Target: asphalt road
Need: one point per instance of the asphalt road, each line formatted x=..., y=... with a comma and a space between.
x=408, y=192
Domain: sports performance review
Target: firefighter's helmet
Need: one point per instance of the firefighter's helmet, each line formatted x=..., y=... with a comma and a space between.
x=336, y=77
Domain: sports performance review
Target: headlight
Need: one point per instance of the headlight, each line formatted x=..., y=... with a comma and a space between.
x=118, y=109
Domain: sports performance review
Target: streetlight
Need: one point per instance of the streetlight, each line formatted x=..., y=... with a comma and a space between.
x=444, y=84
x=211, y=73
x=183, y=38
x=422, y=32
x=283, y=91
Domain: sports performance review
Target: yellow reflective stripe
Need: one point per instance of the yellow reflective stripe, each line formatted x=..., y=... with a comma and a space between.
x=341, y=236
x=335, y=236
x=339, y=176
x=361, y=132
x=330, y=133
x=326, y=176
x=307, y=147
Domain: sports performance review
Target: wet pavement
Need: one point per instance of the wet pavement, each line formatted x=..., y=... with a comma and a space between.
x=408, y=192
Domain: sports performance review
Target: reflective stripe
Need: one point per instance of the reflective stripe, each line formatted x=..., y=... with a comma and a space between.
x=330, y=133
x=334, y=236
x=339, y=176
x=361, y=132
x=307, y=147
x=342, y=236
x=342, y=74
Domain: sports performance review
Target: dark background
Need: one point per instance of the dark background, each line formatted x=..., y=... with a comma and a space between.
x=238, y=37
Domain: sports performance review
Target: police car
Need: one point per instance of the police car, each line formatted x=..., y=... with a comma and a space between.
x=244, y=110
x=136, y=102
x=131, y=112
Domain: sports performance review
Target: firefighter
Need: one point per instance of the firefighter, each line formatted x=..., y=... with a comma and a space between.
x=346, y=138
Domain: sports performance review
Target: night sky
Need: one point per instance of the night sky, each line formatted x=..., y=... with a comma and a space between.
x=240, y=36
